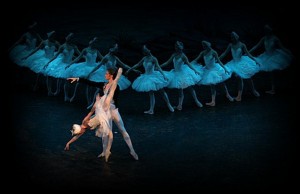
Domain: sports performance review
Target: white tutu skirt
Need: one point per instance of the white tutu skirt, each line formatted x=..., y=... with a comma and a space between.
x=57, y=68
x=80, y=69
x=151, y=82
x=244, y=67
x=39, y=62
x=278, y=60
x=214, y=75
x=184, y=78
x=18, y=52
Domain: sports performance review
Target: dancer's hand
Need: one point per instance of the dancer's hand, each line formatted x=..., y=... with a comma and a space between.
x=126, y=73
x=137, y=71
x=73, y=79
x=67, y=147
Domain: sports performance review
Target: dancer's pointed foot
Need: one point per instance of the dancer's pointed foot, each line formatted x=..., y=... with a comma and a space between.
x=211, y=104
x=150, y=112
x=238, y=98
x=107, y=154
x=256, y=93
x=170, y=107
x=101, y=155
x=56, y=93
x=72, y=99
x=134, y=155
x=270, y=92
x=199, y=104
x=178, y=107
x=229, y=98
x=67, y=99
x=35, y=88
x=50, y=93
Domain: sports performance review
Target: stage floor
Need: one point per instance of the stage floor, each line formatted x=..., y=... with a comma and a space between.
x=247, y=145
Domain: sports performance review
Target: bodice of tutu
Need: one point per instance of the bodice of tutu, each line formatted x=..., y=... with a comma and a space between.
x=100, y=106
x=209, y=60
x=67, y=55
x=236, y=53
x=90, y=58
x=178, y=64
x=269, y=45
x=149, y=67
x=49, y=51
x=30, y=41
x=111, y=64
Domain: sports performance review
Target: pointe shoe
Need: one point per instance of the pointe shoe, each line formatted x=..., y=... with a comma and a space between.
x=107, y=154
x=100, y=155
x=255, y=93
x=178, y=107
x=199, y=104
x=134, y=155
x=170, y=108
x=230, y=98
x=270, y=92
x=35, y=88
x=56, y=93
x=211, y=104
x=50, y=93
x=238, y=98
x=72, y=99
x=149, y=112
x=67, y=99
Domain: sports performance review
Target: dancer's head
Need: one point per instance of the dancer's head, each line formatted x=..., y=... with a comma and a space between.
x=114, y=49
x=70, y=38
x=268, y=30
x=51, y=35
x=92, y=43
x=111, y=73
x=146, y=51
x=32, y=26
x=178, y=46
x=234, y=36
x=76, y=129
x=206, y=44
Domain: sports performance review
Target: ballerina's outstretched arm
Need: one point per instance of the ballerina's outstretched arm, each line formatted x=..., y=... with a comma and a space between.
x=112, y=90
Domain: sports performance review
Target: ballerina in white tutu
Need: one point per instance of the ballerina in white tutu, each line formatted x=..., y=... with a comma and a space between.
x=82, y=69
x=26, y=44
x=41, y=55
x=183, y=76
x=213, y=73
x=152, y=80
x=110, y=60
x=114, y=113
x=58, y=63
x=275, y=57
x=242, y=66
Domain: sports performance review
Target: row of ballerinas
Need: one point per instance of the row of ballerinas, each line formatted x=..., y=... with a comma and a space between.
x=57, y=61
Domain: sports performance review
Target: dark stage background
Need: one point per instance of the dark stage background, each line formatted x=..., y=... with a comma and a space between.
x=241, y=146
